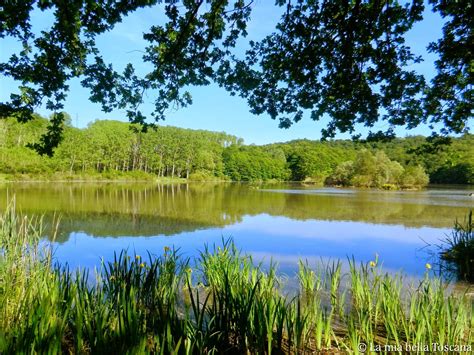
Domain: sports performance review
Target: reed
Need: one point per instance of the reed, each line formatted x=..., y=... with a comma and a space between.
x=221, y=302
x=458, y=249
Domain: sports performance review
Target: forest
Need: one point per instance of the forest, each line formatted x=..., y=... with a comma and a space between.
x=113, y=149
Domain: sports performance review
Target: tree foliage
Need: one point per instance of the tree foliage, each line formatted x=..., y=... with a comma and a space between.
x=346, y=60
x=377, y=170
x=444, y=163
x=182, y=52
x=450, y=98
x=310, y=161
x=251, y=163
x=112, y=148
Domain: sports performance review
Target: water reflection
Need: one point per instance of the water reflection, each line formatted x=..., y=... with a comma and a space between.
x=285, y=222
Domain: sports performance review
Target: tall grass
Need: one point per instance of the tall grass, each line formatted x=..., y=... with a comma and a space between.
x=223, y=302
x=458, y=249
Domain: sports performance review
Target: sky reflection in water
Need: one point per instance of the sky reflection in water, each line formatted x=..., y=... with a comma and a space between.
x=285, y=222
x=278, y=238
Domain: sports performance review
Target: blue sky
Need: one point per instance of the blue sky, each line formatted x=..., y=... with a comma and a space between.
x=213, y=107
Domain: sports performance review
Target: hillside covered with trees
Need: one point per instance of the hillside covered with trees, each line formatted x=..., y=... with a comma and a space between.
x=110, y=149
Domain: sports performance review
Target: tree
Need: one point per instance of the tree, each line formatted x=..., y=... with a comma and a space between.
x=344, y=59
x=314, y=161
x=377, y=170
x=450, y=99
x=182, y=52
x=251, y=163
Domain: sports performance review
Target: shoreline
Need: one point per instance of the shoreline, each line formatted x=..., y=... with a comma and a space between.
x=80, y=179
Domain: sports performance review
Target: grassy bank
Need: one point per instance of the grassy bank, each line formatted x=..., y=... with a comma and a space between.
x=137, y=176
x=111, y=176
x=221, y=302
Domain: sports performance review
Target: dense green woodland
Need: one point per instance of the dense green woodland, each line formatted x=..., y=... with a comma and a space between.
x=111, y=149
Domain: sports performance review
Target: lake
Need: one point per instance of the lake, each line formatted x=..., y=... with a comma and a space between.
x=283, y=222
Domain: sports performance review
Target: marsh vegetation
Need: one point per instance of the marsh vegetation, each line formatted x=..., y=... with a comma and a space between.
x=458, y=249
x=222, y=301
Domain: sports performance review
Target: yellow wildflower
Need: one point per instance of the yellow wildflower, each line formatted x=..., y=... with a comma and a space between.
x=428, y=266
x=142, y=265
x=372, y=263
x=137, y=257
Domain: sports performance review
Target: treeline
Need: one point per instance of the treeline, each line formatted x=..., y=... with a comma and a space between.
x=448, y=161
x=451, y=163
x=115, y=147
x=111, y=148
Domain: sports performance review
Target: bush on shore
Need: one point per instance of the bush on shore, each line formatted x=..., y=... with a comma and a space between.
x=377, y=171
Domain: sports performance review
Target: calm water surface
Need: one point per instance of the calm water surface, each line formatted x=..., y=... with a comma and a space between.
x=280, y=222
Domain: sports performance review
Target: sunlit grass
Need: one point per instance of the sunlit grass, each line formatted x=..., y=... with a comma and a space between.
x=221, y=302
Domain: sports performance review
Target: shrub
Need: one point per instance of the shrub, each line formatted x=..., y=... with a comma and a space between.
x=201, y=176
x=459, y=253
x=414, y=177
x=378, y=171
